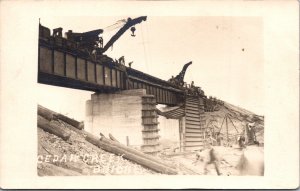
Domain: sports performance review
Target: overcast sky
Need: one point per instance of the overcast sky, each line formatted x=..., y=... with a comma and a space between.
x=227, y=55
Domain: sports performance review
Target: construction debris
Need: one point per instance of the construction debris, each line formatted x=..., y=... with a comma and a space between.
x=75, y=156
x=50, y=115
x=66, y=150
x=132, y=156
x=52, y=128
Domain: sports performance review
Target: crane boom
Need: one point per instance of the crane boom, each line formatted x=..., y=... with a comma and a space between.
x=130, y=22
x=180, y=76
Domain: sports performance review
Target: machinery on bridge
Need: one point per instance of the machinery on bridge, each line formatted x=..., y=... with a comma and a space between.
x=78, y=61
x=87, y=44
x=190, y=89
x=91, y=43
x=178, y=80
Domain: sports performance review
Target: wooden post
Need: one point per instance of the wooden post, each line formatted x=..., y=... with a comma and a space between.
x=127, y=140
x=227, y=129
x=180, y=134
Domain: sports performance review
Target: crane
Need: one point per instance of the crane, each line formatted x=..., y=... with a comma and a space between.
x=89, y=41
x=178, y=80
x=130, y=22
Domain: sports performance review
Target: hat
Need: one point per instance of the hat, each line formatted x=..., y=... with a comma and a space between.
x=251, y=124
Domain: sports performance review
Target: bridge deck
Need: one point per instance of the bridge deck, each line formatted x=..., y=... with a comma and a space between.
x=59, y=66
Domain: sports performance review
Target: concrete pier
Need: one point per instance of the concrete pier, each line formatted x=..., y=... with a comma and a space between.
x=119, y=114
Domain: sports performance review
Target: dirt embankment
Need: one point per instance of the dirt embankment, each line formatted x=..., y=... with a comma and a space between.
x=76, y=156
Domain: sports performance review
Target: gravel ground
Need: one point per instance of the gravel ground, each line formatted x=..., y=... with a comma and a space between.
x=229, y=158
x=76, y=156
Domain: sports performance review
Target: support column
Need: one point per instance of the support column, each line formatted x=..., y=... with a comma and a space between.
x=181, y=134
x=119, y=114
x=149, y=120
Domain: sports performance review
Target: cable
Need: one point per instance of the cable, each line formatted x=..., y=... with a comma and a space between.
x=147, y=38
x=116, y=25
x=144, y=47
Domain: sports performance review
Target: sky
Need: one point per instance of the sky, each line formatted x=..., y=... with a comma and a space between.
x=227, y=55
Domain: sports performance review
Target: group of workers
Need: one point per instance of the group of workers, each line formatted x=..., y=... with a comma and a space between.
x=248, y=164
x=190, y=89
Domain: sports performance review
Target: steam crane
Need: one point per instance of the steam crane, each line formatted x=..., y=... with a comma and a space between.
x=129, y=24
x=89, y=41
x=178, y=80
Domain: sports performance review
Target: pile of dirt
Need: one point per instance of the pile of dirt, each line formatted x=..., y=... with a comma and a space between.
x=76, y=156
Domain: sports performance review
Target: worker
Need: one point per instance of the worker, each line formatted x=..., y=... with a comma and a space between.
x=251, y=133
x=192, y=84
x=241, y=141
x=100, y=42
x=208, y=156
x=129, y=64
x=121, y=60
x=172, y=80
x=218, y=138
x=214, y=159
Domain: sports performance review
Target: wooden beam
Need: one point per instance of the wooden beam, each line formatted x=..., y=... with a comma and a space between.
x=131, y=156
x=52, y=128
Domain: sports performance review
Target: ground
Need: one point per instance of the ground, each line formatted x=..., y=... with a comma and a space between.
x=230, y=153
x=58, y=157
x=229, y=159
x=76, y=156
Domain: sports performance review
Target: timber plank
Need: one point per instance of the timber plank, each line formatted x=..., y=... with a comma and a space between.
x=194, y=139
x=192, y=115
x=193, y=143
x=195, y=123
x=196, y=112
x=191, y=109
x=192, y=119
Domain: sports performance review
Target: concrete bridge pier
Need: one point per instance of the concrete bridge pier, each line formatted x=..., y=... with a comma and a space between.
x=123, y=114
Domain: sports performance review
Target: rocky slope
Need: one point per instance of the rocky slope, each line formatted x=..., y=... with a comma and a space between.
x=76, y=156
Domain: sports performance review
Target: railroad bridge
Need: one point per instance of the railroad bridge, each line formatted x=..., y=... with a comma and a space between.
x=126, y=96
